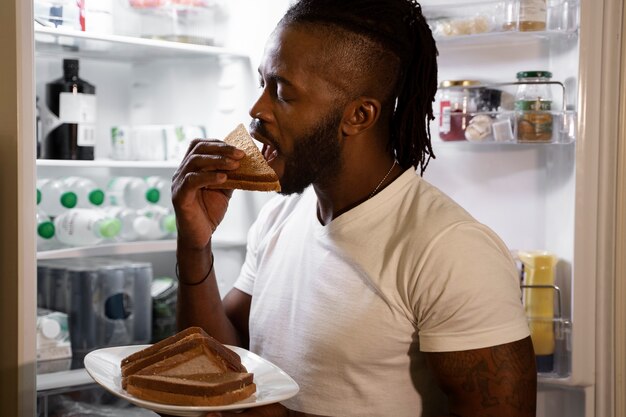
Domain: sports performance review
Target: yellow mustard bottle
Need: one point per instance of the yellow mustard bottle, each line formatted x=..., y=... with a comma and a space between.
x=539, y=304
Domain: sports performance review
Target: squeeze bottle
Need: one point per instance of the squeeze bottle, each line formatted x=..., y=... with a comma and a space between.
x=539, y=304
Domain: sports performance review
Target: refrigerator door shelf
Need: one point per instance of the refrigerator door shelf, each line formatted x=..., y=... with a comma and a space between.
x=459, y=19
x=503, y=127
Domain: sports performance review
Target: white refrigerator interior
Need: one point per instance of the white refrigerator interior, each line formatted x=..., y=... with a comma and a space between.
x=162, y=76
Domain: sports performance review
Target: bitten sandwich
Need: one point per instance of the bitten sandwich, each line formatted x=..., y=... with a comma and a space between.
x=190, y=368
x=254, y=173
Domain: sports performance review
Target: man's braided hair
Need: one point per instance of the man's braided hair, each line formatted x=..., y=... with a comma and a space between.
x=398, y=27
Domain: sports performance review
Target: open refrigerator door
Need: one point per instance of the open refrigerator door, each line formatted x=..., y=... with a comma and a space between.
x=517, y=143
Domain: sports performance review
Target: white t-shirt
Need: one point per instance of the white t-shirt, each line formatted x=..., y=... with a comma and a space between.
x=348, y=308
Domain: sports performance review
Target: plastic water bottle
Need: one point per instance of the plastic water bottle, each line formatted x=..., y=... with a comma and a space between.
x=80, y=227
x=156, y=222
x=45, y=231
x=133, y=226
x=88, y=194
x=55, y=197
x=131, y=192
x=164, y=187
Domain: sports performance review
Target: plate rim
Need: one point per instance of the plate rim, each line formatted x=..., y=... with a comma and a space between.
x=160, y=407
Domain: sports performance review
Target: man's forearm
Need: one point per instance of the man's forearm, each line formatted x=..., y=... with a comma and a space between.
x=199, y=302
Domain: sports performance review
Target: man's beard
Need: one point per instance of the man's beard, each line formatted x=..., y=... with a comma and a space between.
x=316, y=156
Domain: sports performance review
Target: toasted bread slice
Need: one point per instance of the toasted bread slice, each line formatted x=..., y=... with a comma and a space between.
x=162, y=344
x=145, y=389
x=189, y=368
x=254, y=173
x=200, y=384
x=209, y=356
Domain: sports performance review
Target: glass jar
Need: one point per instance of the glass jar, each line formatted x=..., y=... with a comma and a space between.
x=533, y=105
x=457, y=100
x=525, y=15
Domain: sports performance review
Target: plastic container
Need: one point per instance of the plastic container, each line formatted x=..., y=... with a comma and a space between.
x=55, y=197
x=80, y=227
x=131, y=192
x=45, y=232
x=456, y=101
x=158, y=223
x=465, y=18
x=53, y=335
x=88, y=194
x=131, y=224
x=164, y=187
x=533, y=104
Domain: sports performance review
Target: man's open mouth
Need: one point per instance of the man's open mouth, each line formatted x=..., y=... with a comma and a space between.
x=269, y=152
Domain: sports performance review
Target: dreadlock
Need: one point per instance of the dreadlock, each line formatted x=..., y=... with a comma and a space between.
x=399, y=28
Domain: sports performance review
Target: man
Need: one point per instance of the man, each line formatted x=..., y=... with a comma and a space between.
x=378, y=294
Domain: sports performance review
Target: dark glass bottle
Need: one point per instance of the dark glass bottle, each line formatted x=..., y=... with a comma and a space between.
x=71, y=103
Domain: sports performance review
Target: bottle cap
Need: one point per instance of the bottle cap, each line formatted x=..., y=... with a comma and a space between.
x=50, y=329
x=534, y=74
x=70, y=68
x=153, y=195
x=458, y=83
x=38, y=196
x=110, y=228
x=96, y=197
x=46, y=230
x=68, y=199
x=169, y=223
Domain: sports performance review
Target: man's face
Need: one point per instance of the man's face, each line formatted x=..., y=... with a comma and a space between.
x=297, y=117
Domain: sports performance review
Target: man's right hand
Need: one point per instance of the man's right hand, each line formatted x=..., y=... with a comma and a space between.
x=199, y=203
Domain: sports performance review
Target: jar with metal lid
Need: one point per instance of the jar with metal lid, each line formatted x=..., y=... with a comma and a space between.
x=457, y=100
x=533, y=105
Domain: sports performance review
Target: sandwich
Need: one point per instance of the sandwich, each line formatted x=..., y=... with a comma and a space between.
x=254, y=173
x=189, y=368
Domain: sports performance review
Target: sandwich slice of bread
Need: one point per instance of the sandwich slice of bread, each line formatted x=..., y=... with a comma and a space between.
x=254, y=173
x=189, y=368
x=193, y=390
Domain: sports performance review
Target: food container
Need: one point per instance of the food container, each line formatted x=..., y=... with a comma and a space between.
x=533, y=105
x=189, y=21
x=457, y=100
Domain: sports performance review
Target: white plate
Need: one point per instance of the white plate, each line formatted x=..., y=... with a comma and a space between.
x=272, y=384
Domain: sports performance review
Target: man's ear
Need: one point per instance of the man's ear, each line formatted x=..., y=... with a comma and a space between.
x=360, y=115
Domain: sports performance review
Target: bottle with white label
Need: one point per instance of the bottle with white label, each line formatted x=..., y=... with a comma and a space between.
x=55, y=197
x=88, y=194
x=70, y=116
x=81, y=227
x=131, y=192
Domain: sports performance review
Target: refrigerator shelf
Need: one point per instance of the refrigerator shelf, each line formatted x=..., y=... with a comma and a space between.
x=107, y=163
x=63, y=379
x=128, y=248
x=65, y=42
x=504, y=38
x=498, y=21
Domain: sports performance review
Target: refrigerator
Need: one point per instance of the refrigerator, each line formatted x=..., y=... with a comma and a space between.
x=162, y=67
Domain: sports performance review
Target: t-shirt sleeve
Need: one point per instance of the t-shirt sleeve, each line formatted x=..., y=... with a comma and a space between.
x=469, y=295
